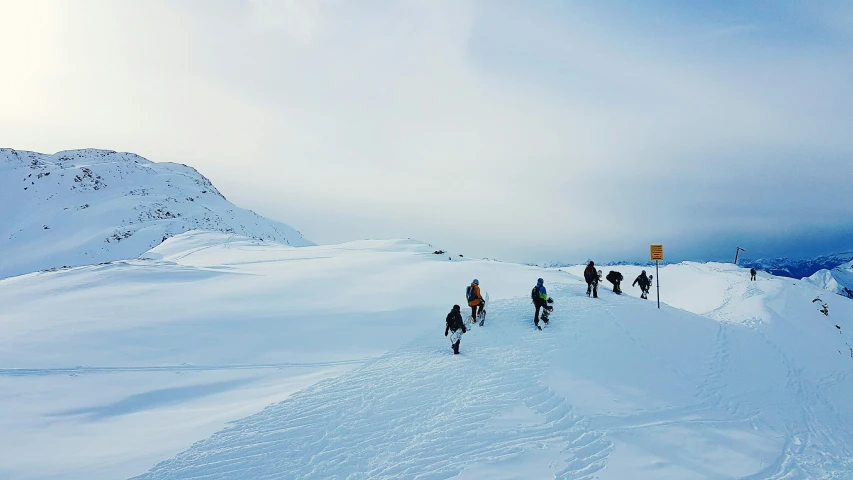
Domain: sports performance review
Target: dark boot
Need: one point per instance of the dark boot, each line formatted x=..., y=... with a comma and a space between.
x=456, y=347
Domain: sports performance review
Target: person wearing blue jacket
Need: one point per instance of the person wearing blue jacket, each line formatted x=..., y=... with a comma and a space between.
x=540, y=300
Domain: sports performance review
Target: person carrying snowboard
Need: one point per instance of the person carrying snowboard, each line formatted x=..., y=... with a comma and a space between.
x=475, y=300
x=615, y=278
x=645, y=282
x=540, y=299
x=752, y=274
x=456, y=325
x=591, y=277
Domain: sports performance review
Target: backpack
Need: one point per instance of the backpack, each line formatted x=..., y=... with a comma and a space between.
x=534, y=294
x=469, y=293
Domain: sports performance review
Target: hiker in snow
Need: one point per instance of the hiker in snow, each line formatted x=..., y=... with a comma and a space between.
x=615, y=278
x=645, y=282
x=591, y=277
x=752, y=274
x=475, y=300
x=456, y=325
x=540, y=299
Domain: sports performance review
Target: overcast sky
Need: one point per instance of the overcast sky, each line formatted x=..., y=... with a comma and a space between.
x=524, y=131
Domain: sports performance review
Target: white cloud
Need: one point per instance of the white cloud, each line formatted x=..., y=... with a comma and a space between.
x=489, y=127
x=299, y=19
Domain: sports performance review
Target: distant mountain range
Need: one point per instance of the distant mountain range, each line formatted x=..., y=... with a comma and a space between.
x=786, y=267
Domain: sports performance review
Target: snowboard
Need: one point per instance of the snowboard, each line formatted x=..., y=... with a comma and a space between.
x=545, y=315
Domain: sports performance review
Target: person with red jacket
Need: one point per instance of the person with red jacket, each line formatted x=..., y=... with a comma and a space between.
x=591, y=277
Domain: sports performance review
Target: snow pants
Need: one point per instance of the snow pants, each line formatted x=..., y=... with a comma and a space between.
x=616, y=287
x=476, y=308
x=593, y=288
x=540, y=304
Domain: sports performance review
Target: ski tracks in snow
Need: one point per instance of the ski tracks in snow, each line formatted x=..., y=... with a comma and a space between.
x=418, y=412
x=804, y=455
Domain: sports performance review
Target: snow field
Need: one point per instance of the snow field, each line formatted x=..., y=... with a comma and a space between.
x=122, y=367
x=116, y=367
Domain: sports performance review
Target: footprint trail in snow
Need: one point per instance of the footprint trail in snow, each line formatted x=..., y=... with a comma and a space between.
x=418, y=412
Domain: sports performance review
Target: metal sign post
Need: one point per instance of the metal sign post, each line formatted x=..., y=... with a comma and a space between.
x=657, y=255
x=657, y=279
x=737, y=252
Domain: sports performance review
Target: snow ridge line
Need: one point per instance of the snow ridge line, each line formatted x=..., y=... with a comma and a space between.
x=31, y=372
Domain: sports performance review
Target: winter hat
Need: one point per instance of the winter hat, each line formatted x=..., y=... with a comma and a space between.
x=456, y=307
x=476, y=282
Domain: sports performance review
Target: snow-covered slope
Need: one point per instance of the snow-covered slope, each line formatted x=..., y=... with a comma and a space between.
x=345, y=345
x=838, y=280
x=84, y=207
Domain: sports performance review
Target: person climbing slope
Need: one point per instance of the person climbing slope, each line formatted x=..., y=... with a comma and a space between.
x=475, y=300
x=456, y=325
x=591, y=277
x=752, y=274
x=645, y=282
x=615, y=278
x=540, y=299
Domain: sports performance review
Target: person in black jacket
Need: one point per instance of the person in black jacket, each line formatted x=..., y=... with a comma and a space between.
x=456, y=325
x=615, y=278
x=591, y=277
x=645, y=282
x=752, y=274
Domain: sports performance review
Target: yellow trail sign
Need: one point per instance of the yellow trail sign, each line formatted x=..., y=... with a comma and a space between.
x=657, y=252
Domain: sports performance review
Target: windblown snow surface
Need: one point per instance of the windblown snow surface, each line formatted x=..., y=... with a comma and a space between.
x=213, y=357
x=82, y=207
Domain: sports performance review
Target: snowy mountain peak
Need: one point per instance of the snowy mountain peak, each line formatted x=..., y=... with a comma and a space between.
x=79, y=207
x=69, y=158
x=837, y=280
